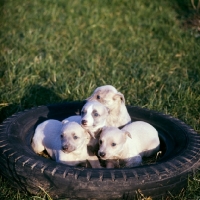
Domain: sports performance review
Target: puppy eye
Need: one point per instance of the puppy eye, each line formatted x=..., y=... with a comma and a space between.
x=75, y=137
x=100, y=141
x=98, y=97
x=113, y=144
x=61, y=136
x=96, y=114
x=82, y=113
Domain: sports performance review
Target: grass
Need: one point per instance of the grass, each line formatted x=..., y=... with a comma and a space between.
x=55, y=51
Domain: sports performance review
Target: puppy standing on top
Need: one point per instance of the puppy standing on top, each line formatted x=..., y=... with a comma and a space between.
x=115, y=102
x=127, y=146
x=65, y=143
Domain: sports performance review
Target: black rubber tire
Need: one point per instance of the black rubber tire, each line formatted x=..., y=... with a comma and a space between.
x=30, y=172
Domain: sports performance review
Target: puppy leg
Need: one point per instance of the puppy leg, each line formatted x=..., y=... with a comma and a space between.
x=37, y=145
x=94, y=161
x=134, y=161
x=110, y=164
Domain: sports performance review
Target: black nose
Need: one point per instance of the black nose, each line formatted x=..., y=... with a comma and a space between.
x=84, y=122
x=102, y=154
x=65, y=147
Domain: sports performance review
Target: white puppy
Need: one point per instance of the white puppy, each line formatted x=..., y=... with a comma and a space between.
x=92, y=119
x=128, y=145
x=65, y=143
x=115, y=102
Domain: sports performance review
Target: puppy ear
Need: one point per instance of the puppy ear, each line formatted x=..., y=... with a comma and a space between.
x=119, y=95
x=87, y=134
x=88, y=98
x=103, y=128
x=65, y=121
x=93, y=94
x=128, y=134
x=108, y=110
x=99, y=133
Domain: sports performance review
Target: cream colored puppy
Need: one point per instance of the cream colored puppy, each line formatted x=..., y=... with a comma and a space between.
x=127, y=146
x=115, y=102
x=65, y=143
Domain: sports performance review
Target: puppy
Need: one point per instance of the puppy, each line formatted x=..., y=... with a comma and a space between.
x=115, y=102
x=65, y=143
x=93, y=118
x=128, y=145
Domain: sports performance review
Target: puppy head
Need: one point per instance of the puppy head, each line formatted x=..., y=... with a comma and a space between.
x=93, y=115
x=111, y=142
x=107, y=95
x=73, y=137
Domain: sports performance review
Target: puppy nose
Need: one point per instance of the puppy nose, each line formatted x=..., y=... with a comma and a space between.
x=84, y=122
x=65, y=147
x=102, y=154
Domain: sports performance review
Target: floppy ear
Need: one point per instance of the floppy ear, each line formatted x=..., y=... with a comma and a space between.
x=108, y=110
x=87, y=134
x=127, y=134
x=119, y=95
x=89, y=98
x=99, y=133
x=64, y=121
x=103, y=128
x=93, y=94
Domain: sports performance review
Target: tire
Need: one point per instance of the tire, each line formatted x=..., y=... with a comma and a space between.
x=30, y=172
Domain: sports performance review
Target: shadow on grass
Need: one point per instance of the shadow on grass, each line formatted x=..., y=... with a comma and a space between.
x=38, y=95
x=34, y=96
x=188, y=12
x=183, y=7
x=2, y=2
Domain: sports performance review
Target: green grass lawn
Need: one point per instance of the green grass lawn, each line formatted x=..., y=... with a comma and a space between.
x=57, y=50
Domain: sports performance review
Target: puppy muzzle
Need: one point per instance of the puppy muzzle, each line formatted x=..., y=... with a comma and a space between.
x=102, y=155
x=84, y=122
x=67, y=148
